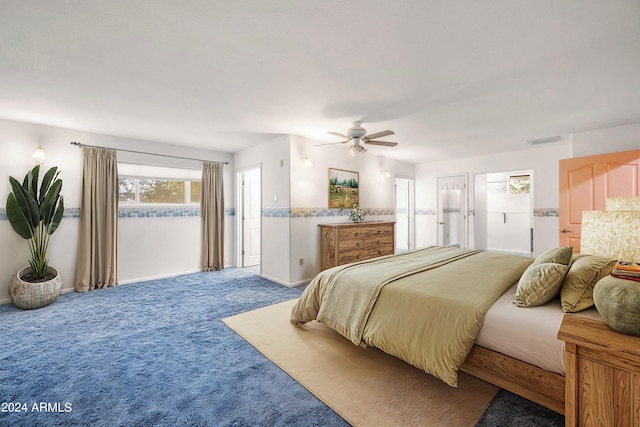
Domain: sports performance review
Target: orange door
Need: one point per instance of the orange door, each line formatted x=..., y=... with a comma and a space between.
x=586, y=183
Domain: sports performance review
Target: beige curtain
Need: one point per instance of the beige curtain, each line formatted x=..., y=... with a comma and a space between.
x=212, y=214
x=97, y=265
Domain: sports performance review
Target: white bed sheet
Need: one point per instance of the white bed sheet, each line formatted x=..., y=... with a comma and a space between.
x=529, y=334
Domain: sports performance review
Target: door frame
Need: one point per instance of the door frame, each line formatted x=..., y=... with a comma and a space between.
x=240, y=213
x=410, y=208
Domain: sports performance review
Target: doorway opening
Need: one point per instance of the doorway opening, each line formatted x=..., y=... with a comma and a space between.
x=404, y=214
x=503, y=219
x=249, y=219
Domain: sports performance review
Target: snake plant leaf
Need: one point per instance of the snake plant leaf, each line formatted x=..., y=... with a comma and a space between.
x=18, y=221
x=48, y=178
x=26, y=203
x=55, y=222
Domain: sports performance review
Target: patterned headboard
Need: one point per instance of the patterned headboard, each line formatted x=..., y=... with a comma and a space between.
x=615, y=232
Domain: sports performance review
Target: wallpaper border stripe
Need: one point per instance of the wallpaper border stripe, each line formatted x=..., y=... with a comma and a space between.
x=125, y=212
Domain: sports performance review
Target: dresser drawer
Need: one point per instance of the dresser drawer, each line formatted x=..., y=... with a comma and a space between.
x=350, y=233
x=364, y=243
x=346, y=257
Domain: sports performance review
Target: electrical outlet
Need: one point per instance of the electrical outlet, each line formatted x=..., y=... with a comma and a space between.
x=301, y=261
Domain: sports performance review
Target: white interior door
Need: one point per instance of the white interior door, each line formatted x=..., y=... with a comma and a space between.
x=452, y=211
x=403, y=214
x=251, y=218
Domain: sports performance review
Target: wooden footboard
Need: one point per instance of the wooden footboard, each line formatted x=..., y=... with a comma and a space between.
x=533, y=383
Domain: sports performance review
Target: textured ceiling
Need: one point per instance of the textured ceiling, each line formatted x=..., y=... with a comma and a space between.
x=451, y=78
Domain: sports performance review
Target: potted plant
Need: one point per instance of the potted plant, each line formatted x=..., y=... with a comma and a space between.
x=34, y=211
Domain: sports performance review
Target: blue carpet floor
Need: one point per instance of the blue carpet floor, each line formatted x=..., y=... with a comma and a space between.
x=156, y=353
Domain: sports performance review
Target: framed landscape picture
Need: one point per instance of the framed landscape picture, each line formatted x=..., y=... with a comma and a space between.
x=343, y=189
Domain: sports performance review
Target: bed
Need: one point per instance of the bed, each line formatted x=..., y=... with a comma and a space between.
x=408, y=305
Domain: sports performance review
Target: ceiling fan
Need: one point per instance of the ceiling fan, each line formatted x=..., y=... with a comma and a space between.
x=357, y=135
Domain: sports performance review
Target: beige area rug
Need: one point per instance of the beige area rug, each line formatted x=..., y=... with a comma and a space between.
x=365, y=386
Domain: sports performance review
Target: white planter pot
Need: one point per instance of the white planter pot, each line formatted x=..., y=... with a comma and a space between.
x=29, y=295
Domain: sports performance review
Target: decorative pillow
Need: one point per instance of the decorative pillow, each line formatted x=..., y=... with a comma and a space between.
x=618, y=301
x=576, y=293
x=556, y=256
x=539, y=284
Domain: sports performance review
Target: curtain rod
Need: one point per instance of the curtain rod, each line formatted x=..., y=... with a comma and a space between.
x=79, y=144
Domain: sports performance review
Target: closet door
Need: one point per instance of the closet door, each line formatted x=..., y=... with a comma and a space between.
x=586, y=183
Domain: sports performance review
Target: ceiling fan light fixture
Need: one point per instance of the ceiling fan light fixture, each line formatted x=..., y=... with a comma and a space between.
x=356, y=149
x=358, y=136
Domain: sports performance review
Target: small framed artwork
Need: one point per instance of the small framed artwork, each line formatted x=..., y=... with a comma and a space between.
x=344, y=187
x=519, y=184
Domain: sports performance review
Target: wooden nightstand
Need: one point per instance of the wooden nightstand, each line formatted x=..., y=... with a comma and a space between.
x=602, y=374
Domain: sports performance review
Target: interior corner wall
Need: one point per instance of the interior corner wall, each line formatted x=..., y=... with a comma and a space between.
x=310, y=197
x=152, y=240
x=606, y=140
x=274, y=161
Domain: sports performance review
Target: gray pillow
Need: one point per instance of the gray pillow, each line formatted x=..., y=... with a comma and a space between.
x=539, y=284
x=618, y=301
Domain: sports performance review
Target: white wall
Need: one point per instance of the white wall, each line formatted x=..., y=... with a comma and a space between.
x=543, y=160
x=608, y=140
x=153, y=247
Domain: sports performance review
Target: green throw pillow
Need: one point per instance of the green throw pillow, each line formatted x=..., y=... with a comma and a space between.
x=576, y=293
x=618, y=301
x=539, y=284
x=557, y=256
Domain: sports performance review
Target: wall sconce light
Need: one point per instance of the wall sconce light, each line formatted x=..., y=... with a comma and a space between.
x=39, y=155
x=305, y=163
x=386, y=174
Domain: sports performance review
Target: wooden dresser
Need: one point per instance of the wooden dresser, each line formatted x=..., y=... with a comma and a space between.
x=602, y=374
x=350, y=242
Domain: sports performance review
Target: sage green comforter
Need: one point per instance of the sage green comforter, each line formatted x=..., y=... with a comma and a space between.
x=425, y=306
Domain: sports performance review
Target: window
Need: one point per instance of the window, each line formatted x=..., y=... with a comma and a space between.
x=150, y=190
x=144, y=184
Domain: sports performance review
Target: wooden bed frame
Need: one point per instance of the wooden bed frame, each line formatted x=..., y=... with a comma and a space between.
x=536, y=384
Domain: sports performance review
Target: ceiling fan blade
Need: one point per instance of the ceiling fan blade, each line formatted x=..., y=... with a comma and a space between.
x=383, y=143
x=379, y=134
x=345, y=137
x=329, y=143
